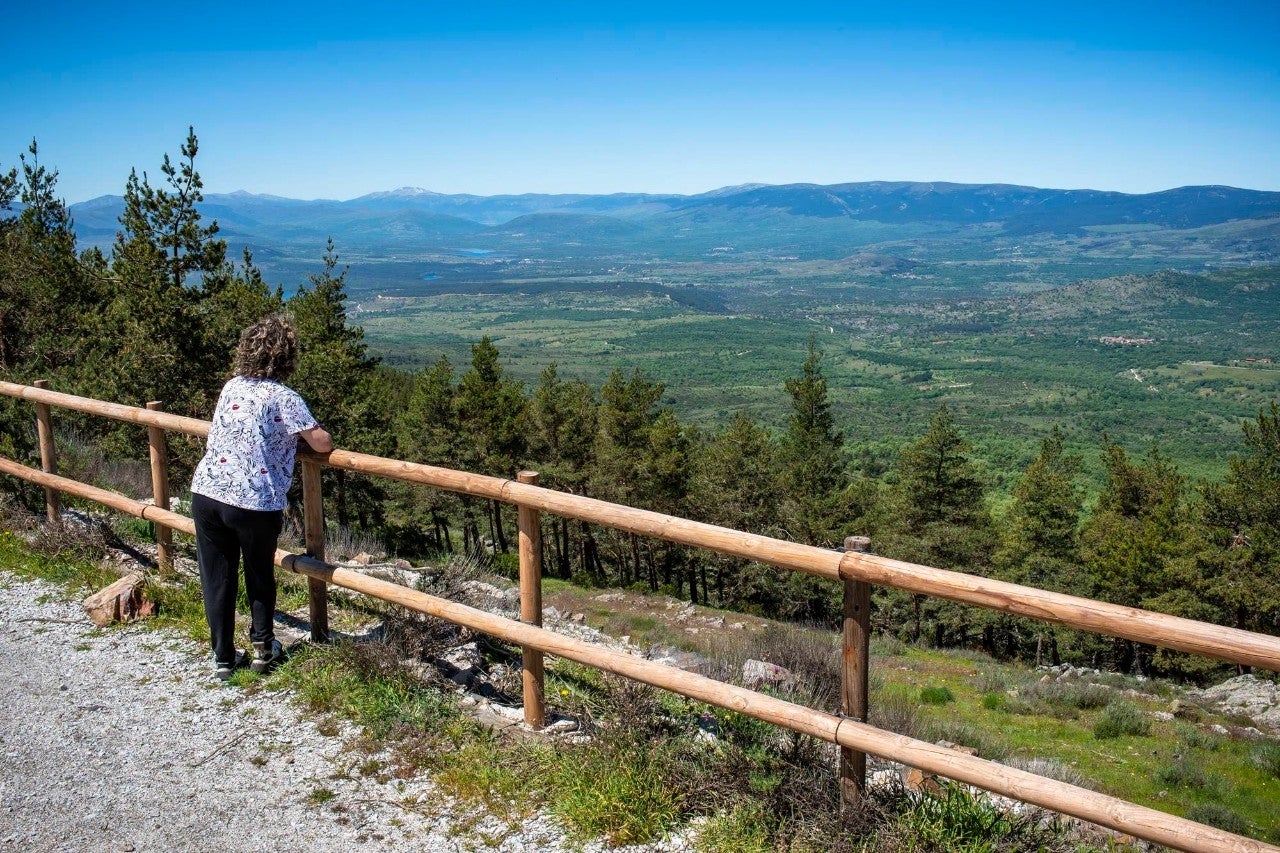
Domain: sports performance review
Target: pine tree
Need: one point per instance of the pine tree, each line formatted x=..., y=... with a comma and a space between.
x=627, y=412
x=153, y=334
x=1228, y=571
x=941, y=520
x=628, y=409
x=1044, y=519
x=46, y=293
x=734, y=484
x=45, y=290
x=1135, y=527
x=563, y=423
x=490, y=410
x=427, y=431
x=163, y=236
x=812, y=455
x=1040, y=546
x=664, y=486
x=938, y=482
x=1129, y=542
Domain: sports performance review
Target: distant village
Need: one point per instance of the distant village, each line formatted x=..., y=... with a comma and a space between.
x=1117, y=340
x=1126, y=342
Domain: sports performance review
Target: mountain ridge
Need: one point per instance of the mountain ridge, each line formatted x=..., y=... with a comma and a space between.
x=418, y=218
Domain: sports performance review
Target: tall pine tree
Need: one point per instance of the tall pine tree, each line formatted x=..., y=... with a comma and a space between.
x=812, y=456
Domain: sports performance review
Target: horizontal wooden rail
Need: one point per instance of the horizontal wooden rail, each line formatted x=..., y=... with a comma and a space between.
x=115, y=411
x=1131, y=623
x=791, y=555
x=1138, y=821
x=1144, y=626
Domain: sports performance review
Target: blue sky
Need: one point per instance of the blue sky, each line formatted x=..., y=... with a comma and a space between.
x=317, y=100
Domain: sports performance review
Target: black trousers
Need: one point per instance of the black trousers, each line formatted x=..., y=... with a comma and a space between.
x=224, y=533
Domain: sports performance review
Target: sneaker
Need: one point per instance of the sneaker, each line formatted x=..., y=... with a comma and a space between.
x=266, y=655
x=222, y=671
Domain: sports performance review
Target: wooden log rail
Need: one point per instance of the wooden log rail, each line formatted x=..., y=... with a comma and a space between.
x=857, y=570
x=1138, y=821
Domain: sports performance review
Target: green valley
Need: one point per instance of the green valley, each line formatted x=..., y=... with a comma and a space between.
x=1174, y=360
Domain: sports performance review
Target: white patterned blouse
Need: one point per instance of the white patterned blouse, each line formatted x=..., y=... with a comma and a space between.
x=249, y=458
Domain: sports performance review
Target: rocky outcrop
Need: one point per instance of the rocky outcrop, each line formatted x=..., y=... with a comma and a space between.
x=1249, y=696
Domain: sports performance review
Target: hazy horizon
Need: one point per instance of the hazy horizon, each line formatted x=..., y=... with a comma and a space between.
x=427, y=190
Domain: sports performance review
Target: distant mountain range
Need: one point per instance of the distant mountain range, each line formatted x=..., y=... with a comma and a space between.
x=412, y=218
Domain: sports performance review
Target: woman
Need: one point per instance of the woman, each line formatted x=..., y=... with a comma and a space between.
x=238, y=494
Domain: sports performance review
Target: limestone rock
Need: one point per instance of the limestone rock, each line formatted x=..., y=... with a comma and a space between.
x=758, y=673
x=1253, y=697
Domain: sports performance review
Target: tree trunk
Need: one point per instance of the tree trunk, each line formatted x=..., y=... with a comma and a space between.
x=501, y=539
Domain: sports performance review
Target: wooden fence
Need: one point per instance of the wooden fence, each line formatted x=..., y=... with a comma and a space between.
x=856, y=570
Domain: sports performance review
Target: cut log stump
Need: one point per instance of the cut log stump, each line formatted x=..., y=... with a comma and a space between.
x=123, y=601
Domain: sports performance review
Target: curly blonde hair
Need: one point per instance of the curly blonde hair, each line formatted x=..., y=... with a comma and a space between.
x=267, y=350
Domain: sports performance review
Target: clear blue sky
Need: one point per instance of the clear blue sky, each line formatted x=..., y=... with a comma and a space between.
x=336, y=100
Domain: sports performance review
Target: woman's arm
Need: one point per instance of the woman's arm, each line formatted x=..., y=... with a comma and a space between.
x=318, y=439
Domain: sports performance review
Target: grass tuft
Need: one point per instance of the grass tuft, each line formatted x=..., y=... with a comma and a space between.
x=625, y=798
x=1266, y=757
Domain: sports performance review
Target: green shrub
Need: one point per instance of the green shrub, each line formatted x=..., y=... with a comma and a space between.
x=1092, y=696
x=1216, y=814
x=995, y=701
x=887, y=645
x=936, y=696
x=1052, y=769
x=1194, y=738
x=1121, y=718
x=958, y=820
x=507, y=565
x=1184, y=772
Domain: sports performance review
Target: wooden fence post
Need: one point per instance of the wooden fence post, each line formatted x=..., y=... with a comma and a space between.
x=160, y=490
x=48, y=456
x=530, y=525
x=313, y=538
x=855, y=667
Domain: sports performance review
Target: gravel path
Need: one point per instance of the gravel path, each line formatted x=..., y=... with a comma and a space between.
x=121, y=740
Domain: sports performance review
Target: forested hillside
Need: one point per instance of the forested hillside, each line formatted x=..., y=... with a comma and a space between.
x=156, y=318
